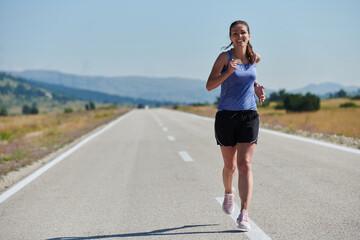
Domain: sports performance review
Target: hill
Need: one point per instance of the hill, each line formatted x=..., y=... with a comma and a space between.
x=16, y=92
x=324, y=90
x=179, y=90
x=95, y=96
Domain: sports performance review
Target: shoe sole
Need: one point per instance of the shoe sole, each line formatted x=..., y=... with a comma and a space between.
x=244, y=229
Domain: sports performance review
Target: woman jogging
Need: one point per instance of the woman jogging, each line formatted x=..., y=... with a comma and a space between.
x=237, y=120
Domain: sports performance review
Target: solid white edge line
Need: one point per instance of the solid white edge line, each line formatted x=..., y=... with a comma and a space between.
x=310, y=140
x=185, y=156
x=18, y=186
x=255, y=233
x=281, y=134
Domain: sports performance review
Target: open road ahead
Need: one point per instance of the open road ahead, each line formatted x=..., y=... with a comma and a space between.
x=156, y=174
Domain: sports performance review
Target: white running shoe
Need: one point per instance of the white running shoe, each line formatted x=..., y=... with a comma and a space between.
x=228, y=204
x=243, y=221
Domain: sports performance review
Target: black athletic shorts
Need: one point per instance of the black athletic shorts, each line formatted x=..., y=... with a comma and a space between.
x=233, y=127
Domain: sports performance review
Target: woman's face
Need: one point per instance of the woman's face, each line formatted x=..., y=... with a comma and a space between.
x=239, y=35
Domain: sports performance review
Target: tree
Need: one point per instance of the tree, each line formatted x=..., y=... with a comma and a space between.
x=310, y=103
x=34, y=109
x=341, y=94
x=292, y=102
x=20, y=89
x=277, y=97
x=299, y=103
x=68, y=110
x=90, y=106
x=26, y=109
x=217, y=101
x=3, y=111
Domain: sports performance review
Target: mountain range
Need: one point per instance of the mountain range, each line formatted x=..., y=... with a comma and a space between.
x=325, y=89
x=154, y=90
x=176, y=90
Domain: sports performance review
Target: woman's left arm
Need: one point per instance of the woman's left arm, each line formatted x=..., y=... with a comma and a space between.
x=259, y=90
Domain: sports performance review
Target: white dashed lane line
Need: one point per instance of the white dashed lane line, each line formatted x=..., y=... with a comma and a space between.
x=171, y=138
x=185, y=156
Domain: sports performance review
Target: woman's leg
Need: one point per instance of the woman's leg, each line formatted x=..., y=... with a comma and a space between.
x=245, y=152
x=228, y=173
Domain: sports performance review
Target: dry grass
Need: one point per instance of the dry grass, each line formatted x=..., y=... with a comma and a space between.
x=334, y=103
x=330, y=119
x=24, y=139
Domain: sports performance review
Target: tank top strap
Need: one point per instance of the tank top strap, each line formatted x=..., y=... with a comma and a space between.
x=228, y=53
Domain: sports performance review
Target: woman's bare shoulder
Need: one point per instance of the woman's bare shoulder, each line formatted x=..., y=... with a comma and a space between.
x=257, y=57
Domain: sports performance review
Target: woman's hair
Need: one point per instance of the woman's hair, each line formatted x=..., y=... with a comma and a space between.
x=249, y=50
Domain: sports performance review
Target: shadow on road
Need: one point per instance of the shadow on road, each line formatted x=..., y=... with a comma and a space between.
x=160, y=232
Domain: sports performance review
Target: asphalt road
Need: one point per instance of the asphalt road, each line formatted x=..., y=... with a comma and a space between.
x=156, y=174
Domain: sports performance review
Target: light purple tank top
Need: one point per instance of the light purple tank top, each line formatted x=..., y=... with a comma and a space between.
x=237, y=91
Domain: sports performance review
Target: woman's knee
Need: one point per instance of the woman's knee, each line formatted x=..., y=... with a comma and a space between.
x=229, y=169
x=244, y=166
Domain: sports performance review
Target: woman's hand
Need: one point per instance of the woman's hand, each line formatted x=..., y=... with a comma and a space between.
x=259, y=91
x=232, y=66
x=216, y=76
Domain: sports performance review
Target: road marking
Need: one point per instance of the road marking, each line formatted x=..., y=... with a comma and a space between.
x=171, y=138
x=157, y=119
x=185, y=156
x=18, y=186
x=310, y=140
x=286, y=135
x=165, y=129
x=255, y=233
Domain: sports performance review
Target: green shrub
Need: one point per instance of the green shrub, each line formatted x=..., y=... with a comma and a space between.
x=3, y=112
x=68, y=110
x=299, y=103
x=348, y=105
x=6, y=136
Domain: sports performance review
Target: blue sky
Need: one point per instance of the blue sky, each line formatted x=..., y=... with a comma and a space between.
x=301, y=42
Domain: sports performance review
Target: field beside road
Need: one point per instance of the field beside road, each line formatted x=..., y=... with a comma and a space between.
x=332, y=123
x=25, y=139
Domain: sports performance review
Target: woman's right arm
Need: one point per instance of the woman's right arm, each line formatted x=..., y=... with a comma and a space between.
x=216, y=78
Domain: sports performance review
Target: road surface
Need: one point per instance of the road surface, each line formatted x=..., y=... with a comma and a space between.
x=156, y=174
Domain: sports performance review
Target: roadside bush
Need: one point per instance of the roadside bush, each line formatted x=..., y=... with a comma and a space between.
x=199, y=104
x=299, y=103
x=90, y=106
x=348, y=105
x=310, y=102
x=26, y=110
x=3, y=112
x=68, y=110
x=280, y=106
x=34, y=110
x=266, y=103
x=6, y=136
x=216, y=103
x=278, y=97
